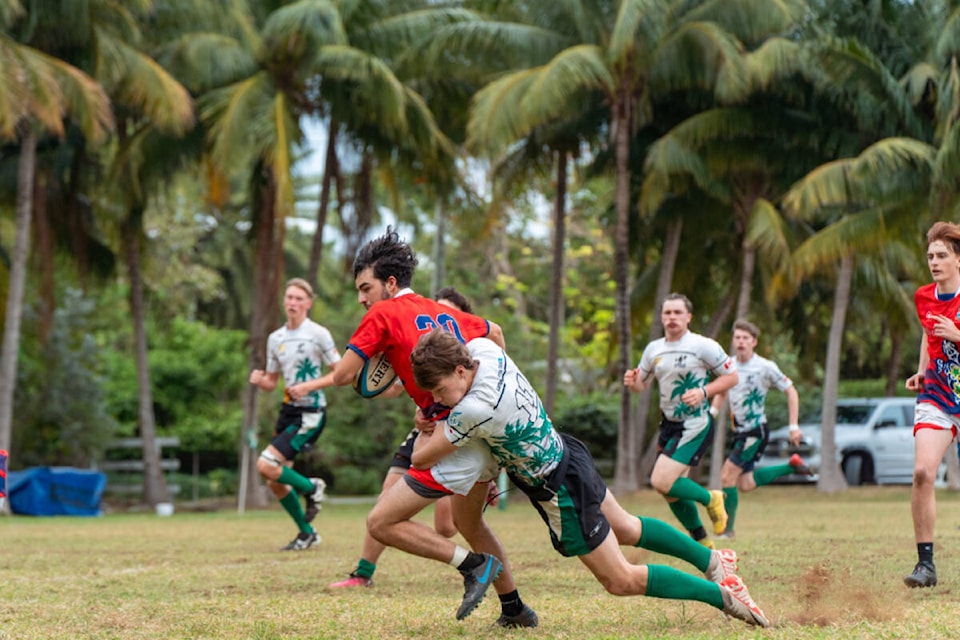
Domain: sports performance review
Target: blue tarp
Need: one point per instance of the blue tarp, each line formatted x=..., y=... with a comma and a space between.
x=55, y=491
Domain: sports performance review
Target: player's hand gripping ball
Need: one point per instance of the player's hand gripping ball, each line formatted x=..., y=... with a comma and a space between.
x=375, y=377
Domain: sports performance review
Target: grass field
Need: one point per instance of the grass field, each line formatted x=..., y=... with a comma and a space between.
x=820, y=567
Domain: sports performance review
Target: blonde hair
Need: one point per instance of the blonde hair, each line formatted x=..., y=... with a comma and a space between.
x=300, y=283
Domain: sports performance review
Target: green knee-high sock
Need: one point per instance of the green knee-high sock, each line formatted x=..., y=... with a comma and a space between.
x=687, y=489
x=667, y=582
x=766, y=475
x=295, y=480
x=687, y=514
x=732, y=499
x=291, y=502
x=365, y=568
x=658, y=536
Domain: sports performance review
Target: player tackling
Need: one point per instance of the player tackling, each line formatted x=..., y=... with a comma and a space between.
x=494, y=403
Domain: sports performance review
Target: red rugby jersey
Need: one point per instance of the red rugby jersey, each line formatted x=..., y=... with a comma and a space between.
x=941, y=380
x=394, y=326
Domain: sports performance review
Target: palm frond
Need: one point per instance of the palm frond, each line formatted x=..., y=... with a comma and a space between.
x=343, y=63
x=287, y=133
x=853, y=233
x=205, y=61
x=639, y=26
x=140, y=83
x=767, y=231
x=10, y=10
x=296, y=31
x=948, y=43
x=509, y=108
x=500, y=45
x=893, y=169
x=917, y=81
x=864, y=84
x=750, y=21
x=695, y=56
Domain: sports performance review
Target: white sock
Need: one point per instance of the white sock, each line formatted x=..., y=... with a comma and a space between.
x=459, y=555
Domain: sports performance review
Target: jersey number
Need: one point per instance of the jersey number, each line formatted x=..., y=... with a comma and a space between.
x=443, y=321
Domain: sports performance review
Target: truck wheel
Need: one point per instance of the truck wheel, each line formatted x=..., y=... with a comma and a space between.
x=853, y=470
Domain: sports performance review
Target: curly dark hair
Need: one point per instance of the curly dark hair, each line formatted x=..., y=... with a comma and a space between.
x=388, y=256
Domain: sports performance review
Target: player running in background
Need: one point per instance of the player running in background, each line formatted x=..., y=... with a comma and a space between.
x=493, y=402
x=396, y=317
x=937, y=416
x=297, y=350
x=757, y=376
x=682, y=362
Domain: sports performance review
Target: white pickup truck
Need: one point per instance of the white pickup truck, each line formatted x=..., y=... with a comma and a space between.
x=874, y=439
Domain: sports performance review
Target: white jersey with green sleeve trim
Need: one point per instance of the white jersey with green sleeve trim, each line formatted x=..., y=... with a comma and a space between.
x=299, y=355
x=748, y=398
x=682, y=365
x=503, y=409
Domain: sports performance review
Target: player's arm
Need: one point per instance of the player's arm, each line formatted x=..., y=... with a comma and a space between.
x=264, y=379
x=347, y=368
x=721, y=384
x=496, y=335
x=302, y=389
x=716, y=404
x=793, y=414
x=915, y=382
x=429, y=448
x=635, y=381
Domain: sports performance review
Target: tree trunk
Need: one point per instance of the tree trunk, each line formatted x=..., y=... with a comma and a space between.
x=15, y=291
x=625, y=476
x=440, y=246
x=831, y=477
x=893, y=364
x=44, y=257
x=329, y=171
x=719, y=449
x=267, y=259
x=556, y=280
x=154, y=484
x=668, y=263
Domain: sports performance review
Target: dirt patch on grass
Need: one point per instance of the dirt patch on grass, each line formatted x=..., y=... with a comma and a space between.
x=829, y=596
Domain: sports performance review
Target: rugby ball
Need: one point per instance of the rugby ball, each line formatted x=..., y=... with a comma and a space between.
x=374, y=377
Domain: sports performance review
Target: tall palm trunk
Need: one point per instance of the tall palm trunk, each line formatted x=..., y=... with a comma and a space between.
x=15, y=290
x=154, y=485
x=668, y=263
x=44, y=246
x=330, y=169
x=625, y=476
x=893, y=364
x=268, y=254
x=556, y=280
x=440, y=245
x=831, y=478
x=718, y=452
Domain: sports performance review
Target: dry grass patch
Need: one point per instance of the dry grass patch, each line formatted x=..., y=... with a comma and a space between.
x=820, y=566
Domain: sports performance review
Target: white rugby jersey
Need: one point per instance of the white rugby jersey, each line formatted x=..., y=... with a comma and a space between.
x=682, y=365
x=503, y=409
x=298, y=355
x=747, y=399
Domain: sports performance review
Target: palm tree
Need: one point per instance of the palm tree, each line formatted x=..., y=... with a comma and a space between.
x=872, y=205
x=39, y=90
x=616, y=56
x=301, y=55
